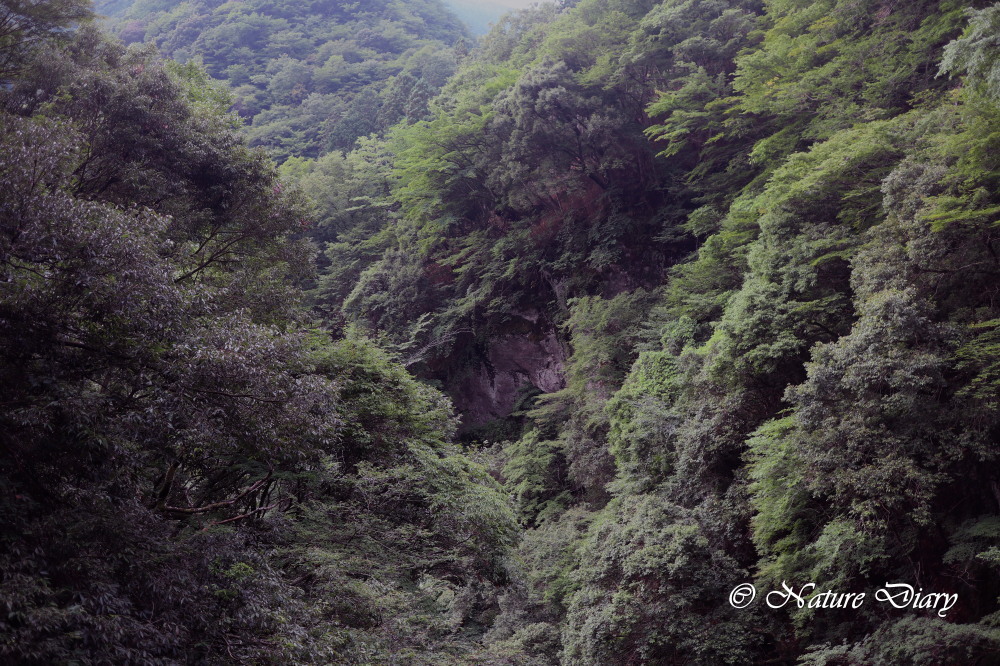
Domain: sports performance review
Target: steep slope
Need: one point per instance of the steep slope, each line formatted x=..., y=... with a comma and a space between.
x=763, y=239
x=713, y=285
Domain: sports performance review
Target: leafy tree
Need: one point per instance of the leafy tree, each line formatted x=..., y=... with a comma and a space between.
x=25, y=24
x=192, y=469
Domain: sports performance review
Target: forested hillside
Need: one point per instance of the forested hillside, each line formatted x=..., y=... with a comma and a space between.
x=308, y=77
x=192, y=468
x=626, y=305
x=721, y=279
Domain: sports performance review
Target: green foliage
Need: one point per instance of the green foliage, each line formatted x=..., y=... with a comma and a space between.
x=309, y=77
x=975, y=52
x=191, y=471
x=740, y=257
x=982, y=353
x=642, y=428
x=859, y=482
x=823, y=66
x=651, y=585
x=914, y=640
x=535, y=472
x=24, y=26
x=764, y=232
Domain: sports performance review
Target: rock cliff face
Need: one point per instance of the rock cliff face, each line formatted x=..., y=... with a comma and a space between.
x=531, y=356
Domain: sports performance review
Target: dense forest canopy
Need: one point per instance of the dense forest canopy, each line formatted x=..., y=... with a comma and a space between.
x=308, y=77
x=194, y=470
x=531, y=350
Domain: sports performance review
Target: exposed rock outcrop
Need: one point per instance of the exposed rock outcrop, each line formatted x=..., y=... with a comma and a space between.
x=533, y=356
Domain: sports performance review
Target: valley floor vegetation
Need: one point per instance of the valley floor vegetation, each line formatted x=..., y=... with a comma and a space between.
x=329, y=335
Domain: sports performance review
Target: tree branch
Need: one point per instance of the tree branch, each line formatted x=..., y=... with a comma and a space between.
x=257, y=485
